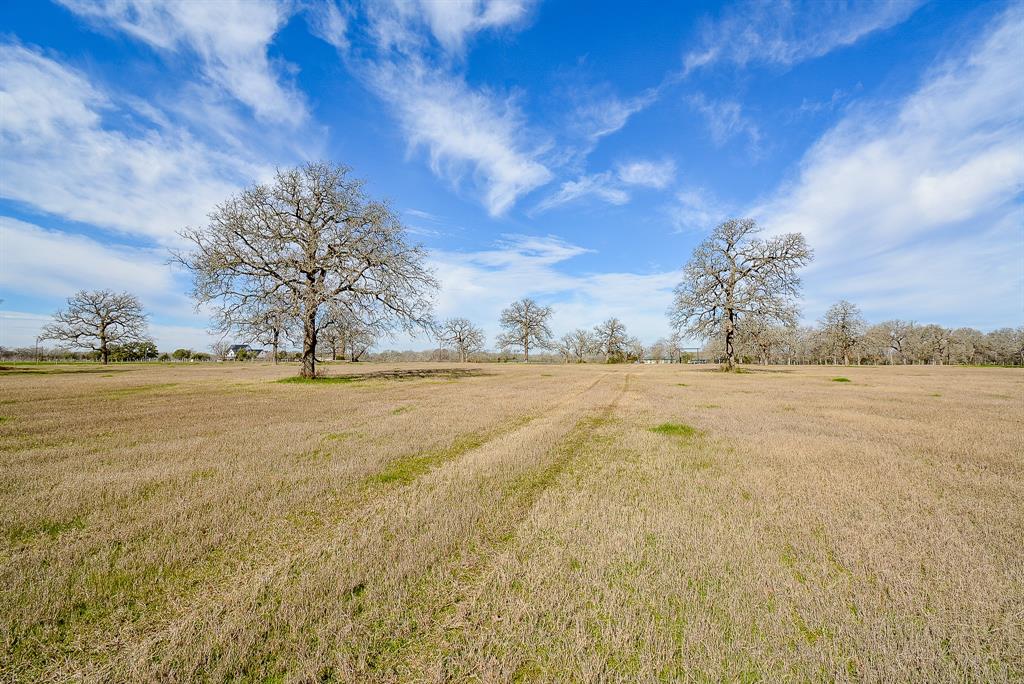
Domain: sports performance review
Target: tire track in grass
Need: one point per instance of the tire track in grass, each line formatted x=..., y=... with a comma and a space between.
x=424, y=657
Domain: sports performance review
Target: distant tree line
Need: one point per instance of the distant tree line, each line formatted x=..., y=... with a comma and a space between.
x=844, y=337
x=309, y=259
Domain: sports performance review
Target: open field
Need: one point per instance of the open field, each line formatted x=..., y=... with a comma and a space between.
x=523, y=523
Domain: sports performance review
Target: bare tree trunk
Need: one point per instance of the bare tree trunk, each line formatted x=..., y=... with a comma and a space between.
x=277, y=335
x=309, y=344
x=526, y=351
x=730, y=353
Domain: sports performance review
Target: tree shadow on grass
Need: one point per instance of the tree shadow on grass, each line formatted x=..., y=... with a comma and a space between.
x=56, y=370
x=410, y=374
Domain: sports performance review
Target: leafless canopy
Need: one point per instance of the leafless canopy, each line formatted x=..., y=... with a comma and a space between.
x=733, y=276
x=611, y=339
x=526, y=325
x=576, y=345
x=311, y=239
x=96, y=320
x=843, y=327
x=461, y=334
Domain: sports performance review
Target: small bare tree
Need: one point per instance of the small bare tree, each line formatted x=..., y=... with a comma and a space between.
x=98, y=320
x=465, y=337
x=733, y=275
x=674, y=347
x=635, y=349
x=311, y=238
x=611, y=339
x=843, y=327
x=526, y=325
x=762, y=337
x=344, y=329
x=576, y=345
x=659, y=350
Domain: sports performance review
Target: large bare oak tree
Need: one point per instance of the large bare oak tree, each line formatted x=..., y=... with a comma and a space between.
x=733, y=276
x=312, y=239
x=526, y=325
x=98, y=320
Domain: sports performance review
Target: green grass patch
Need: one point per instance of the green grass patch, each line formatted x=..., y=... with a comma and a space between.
x=840, y=379
x=708, y=406
x=337, y=435
x=675, y=430
x=408, y=468
x=681, y=384
x=138, y=389
x=402, y=409
x=50, y=528
x=319, y=380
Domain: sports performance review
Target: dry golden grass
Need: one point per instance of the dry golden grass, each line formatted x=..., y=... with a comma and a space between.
x=574, y=523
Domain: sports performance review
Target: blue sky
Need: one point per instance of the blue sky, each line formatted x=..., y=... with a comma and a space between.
x=572, y=152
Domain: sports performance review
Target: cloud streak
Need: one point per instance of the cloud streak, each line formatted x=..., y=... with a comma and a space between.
x=786, y=33
x=230, y=37
x=877, y=193
x=61, y=159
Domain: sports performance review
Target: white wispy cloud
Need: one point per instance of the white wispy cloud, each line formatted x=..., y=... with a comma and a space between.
x=462, y=130
x=604, y=186
x=599, y=113
x=652, y=174
x=726, y=120
x=785, y=33
x=610, y=187
x=881, y=196
x=231, y=38
x=59, y=156
x=329, y=22
x=697, y=209
x=453, y=22
x=465, y=131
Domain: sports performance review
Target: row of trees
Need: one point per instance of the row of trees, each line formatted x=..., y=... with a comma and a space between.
x=310, y=258
x=843, y=336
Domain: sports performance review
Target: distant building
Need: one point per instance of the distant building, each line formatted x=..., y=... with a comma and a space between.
x=249, y=351
x=652, y=359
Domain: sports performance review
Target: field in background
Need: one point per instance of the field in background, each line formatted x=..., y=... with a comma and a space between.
x=524, y=523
